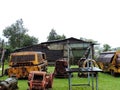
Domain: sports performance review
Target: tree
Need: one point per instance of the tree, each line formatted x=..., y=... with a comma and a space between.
x=29, y=40
x=60, y=37
x=54, y=36
x=16, y=34
x=106, y=47
x=89, y=40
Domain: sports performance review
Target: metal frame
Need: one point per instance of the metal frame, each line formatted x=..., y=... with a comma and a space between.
x=94, y=70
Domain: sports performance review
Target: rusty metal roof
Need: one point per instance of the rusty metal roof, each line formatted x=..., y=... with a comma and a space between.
x=67, y=41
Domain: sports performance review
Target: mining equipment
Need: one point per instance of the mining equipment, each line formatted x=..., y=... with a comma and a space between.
x=21, y=63
x=40, y=80
x=87, y=64
x=60, y=68
x=9, y=84
x=110, y=62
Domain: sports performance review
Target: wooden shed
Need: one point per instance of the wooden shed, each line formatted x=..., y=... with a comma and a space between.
x=59, y=49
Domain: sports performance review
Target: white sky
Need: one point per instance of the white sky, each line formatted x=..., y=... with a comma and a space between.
x=92, y=19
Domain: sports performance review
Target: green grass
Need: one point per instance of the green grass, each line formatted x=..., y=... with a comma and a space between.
x=108, y=82
x=105, y=82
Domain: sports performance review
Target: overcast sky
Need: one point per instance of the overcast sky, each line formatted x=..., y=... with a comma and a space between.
x=92, y=19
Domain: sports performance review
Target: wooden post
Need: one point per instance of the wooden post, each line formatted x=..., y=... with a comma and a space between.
x=92, y=48
x=2, y=58
x=68, y=49
x=2, y=62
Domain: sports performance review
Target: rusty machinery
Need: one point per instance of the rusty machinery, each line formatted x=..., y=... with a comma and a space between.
x=39, y=80
x=86, y=63
x=60, y=68
x=21, y=63
x=110, y=62
x=9, y=84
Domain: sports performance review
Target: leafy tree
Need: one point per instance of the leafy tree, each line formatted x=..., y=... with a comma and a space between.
x=54, y=36
x=29, y=40
x=16, y=34
x=59, y=37
x=106, y=47
x=89, y=40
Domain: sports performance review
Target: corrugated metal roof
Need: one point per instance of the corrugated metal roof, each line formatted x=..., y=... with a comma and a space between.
x=68, y=40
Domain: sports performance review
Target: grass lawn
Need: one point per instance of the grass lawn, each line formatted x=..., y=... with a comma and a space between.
x=105, y=82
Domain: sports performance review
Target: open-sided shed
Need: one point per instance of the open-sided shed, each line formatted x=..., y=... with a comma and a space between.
x=59, y=49
x=76, y=48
